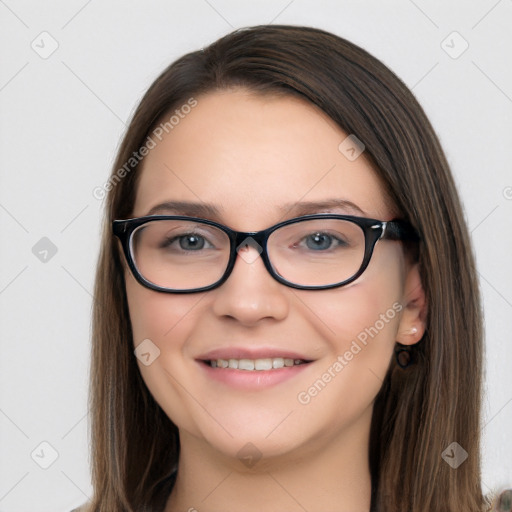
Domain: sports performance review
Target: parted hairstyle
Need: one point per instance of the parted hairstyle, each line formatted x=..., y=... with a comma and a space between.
x=419, y=410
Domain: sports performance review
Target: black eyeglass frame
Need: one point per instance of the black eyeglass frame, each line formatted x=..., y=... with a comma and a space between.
x=373, y=229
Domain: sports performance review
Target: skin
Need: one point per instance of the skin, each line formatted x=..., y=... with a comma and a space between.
x=249, y=155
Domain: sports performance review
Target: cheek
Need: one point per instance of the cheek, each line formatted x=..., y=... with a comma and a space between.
x=167, y=321
x=160, y=317
x=368, y=309
x=360, y=322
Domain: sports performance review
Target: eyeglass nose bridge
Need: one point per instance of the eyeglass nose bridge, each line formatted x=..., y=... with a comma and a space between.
x=241, y=241
x=245, y=240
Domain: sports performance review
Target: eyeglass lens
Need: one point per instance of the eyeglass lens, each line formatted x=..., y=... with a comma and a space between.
x=181, y=255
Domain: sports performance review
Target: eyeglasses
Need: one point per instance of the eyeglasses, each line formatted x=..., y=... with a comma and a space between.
x=177, y=254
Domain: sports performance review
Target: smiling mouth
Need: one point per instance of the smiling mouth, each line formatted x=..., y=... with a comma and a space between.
x=274, y=363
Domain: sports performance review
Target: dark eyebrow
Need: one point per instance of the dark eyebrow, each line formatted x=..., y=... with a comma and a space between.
x=209, y=211
x=186, y=208
x=304, y=208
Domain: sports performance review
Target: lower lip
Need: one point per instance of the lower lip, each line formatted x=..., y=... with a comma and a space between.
x=256, y=379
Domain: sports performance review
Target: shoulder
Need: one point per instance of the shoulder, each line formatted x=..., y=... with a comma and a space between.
x=500, y=500
x=86, y=507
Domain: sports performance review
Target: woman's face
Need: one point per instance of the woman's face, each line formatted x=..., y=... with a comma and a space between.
x=258, y=161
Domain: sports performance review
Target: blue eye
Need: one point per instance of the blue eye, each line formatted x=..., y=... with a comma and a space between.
x=191, y=242
x=188, y=242
x=322, y=241
x=318, y=241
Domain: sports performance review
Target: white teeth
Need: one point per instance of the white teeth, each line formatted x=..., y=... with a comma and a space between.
x=263, y=364
x=255, y=364
x=277, y=362
x=246, y=364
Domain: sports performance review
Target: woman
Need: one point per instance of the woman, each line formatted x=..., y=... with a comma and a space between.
x=286, y=309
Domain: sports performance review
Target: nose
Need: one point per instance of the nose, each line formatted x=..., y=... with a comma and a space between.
x=251, y=294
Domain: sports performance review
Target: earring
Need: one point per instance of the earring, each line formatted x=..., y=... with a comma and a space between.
x=403, y=357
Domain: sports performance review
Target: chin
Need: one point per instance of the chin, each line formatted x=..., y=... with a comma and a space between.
x=254, y=452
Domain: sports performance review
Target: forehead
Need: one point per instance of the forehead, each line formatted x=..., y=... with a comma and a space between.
x=251, y=156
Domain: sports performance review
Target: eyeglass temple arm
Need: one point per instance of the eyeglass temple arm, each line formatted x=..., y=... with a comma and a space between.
x=398, y=230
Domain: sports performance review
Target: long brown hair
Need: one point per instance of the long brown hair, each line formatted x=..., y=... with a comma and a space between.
x=420, y=410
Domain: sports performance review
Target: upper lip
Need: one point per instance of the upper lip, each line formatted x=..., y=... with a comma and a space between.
x=251, y=353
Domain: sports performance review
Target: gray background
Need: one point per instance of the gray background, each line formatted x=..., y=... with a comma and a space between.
x=62, y=116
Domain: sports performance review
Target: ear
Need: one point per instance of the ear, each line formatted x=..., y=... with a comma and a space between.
x=412, y=323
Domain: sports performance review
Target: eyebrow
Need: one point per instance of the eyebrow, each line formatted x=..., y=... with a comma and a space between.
x=305, y=208
x=186, y=208
x=297, y=209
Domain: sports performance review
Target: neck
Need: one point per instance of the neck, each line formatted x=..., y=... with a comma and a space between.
x=324, y=477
